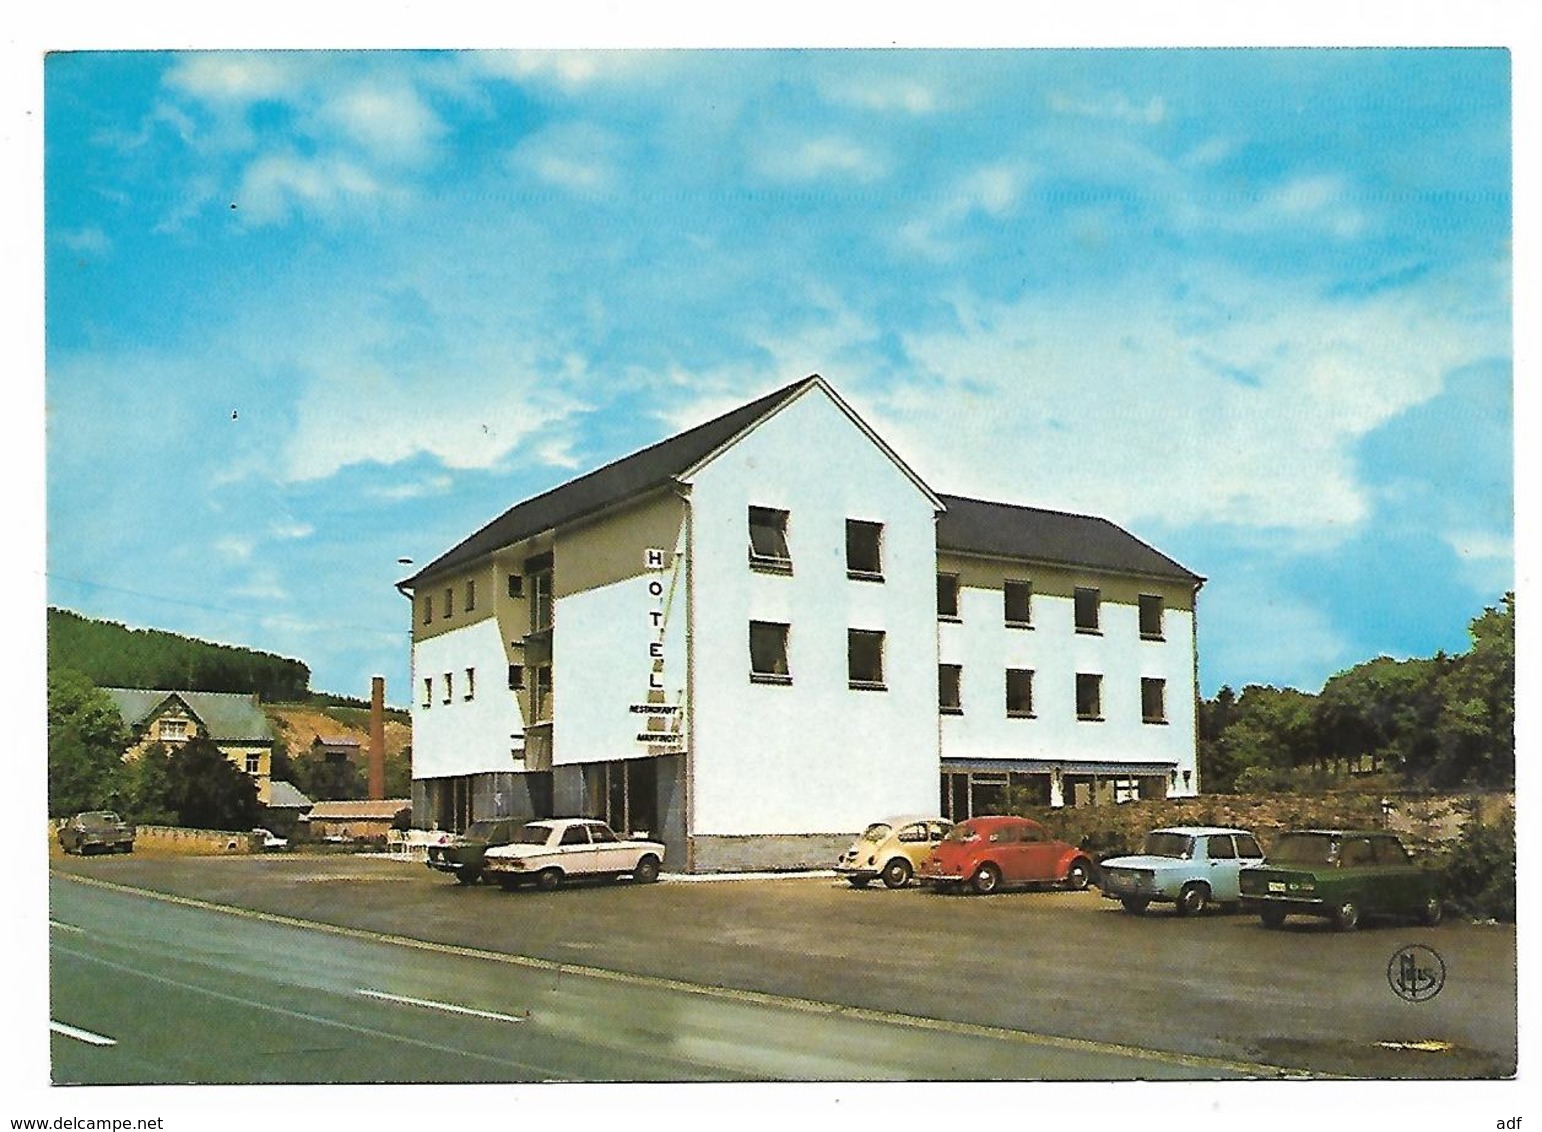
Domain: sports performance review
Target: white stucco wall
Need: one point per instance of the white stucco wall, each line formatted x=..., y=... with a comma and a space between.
x=1055, y=652
x=814, y=756
x=603, y=661
x=464, y=736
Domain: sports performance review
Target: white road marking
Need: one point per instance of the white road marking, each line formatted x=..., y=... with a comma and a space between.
x=448, y=1007
x=66, y=927
x=81, y=1035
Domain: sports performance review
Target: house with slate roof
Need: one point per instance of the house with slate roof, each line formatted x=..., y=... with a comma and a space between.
x=756, y=636
x=234, y=721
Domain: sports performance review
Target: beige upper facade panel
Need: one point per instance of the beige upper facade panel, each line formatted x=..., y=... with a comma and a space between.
x=1051, y=580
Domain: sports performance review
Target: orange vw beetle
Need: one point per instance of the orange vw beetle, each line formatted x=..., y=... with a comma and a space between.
x=988, y=852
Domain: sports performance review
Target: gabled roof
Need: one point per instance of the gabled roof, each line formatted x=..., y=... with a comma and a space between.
x=652, y=467
x=284, y=796
x=1006, y=530
x=226, y=716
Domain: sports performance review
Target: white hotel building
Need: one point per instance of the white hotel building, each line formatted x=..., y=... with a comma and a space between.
x=755, y=637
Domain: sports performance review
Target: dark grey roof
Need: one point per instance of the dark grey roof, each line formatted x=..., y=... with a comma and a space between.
x=974, y=526
x=284, y=796
x=629, y=476
x=227, y=716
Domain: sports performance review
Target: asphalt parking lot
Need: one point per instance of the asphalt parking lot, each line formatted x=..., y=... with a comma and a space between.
x=1069, y=965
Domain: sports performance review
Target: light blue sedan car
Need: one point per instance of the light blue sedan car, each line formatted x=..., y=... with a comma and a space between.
x=1190, y=867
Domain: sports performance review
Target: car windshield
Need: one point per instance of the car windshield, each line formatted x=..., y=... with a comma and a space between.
x=1303, y=849
x=1163, y=844
x=533, y=835
x=962, y=832
x=876, y=832
x=481, y=830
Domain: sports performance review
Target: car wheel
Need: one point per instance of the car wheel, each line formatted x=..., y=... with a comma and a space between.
x=1134, y=905
x=548, y=880
x=858, y=882
x=1272, y=917
x=467, y=876
x=1193, y=900
x=1432, y=912
x=1346, y=917
x=896, y=874
x=986, y=879
x=1079, y=875
x=647, y=870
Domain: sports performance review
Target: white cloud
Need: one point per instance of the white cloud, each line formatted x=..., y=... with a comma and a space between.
x=1114, y=106
x=576, y=156
x=277, y=184
x=235, y=547
x=390, y=121
x=884, y=93
x=821, y=158
x=236, y=77
x=291, y=530
x=992, y=190
x=1235, y=417
x=86, y=241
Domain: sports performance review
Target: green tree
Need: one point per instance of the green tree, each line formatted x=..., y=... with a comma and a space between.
x=1474, y=730
x=145, y=783
x=207, y=791
x=398, y=774
x=86, y=741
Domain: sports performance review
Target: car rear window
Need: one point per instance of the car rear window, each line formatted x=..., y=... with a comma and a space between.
x=533, y=835
x=876, y=832
x=1303, y=849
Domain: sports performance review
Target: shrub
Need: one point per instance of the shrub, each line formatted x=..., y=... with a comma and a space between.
x=1480, y=878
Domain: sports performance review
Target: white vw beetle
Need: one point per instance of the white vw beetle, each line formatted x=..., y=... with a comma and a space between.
x=554, y=850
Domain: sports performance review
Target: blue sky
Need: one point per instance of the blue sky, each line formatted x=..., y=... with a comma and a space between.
x=311, y=313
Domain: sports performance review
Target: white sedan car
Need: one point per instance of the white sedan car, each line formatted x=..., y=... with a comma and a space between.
x=554, y=850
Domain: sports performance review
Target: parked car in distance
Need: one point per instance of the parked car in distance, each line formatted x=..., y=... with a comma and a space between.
x=460, y=854
x=1342, y=876
x=891, y=850
x=1189, y=867
x=552, y=851
x=96, y=831
x=987, y=853
x=270, y=841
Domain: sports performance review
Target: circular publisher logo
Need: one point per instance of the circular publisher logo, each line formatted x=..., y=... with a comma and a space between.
x=1416, y=972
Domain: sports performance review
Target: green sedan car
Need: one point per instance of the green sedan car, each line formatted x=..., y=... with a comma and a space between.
x=1342, y=876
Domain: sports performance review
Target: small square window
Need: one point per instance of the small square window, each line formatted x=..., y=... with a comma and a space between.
x=1089, y=696
x=1088, y=600
x=768, y=653
x=253, y=764
x=768, y=540
x=950, y=689
x=864, y=659
x=1151, y=617
x=947, y=597
x=516, y=585
x=1153, y=700
x=516, y=677
x=864, y=550
x=1018, y=603
x=1020, y=693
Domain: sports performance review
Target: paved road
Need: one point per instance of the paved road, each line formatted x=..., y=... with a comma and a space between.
x=826, y=982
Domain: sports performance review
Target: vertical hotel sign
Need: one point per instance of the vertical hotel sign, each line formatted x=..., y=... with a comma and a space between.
x=659, y=722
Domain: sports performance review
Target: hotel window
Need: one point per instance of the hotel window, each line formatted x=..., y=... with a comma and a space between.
x=173, y=730
x=1150, y=617
x=540, y=602
x=864, y=659
x=449, y=602
x=947, y=597
x=768, y=653
x=1088, y=600
x=471, y=683
x=516, y=585
x=1089, y=696
x=541, y=694
x=253, y=764
x=471, y=594
x=428, y=608
x=1017, y=598
x=864, y=550
x=1153, y=700
x=449, y=688
x=428, y=691
x=768, y=540
x=1020, y=693
x=516, y=677
x=950, y=689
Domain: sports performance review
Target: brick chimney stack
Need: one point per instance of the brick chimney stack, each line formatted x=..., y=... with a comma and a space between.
x=377, y=739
